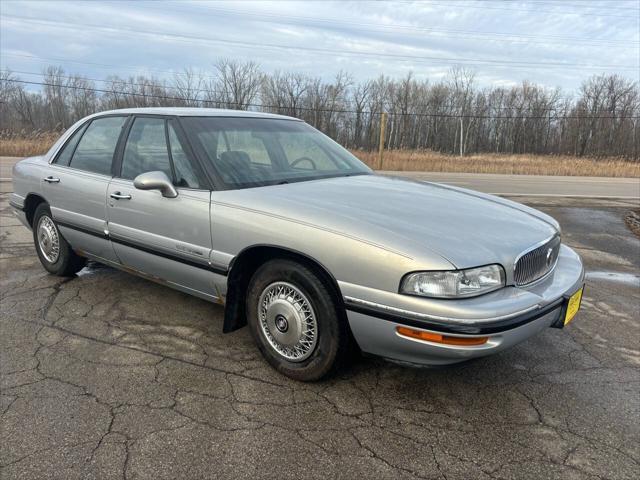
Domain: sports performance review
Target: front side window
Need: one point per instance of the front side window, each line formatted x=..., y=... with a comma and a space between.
x=185, y=174
x=95, y=150
x=249, y=152
x=146, y=149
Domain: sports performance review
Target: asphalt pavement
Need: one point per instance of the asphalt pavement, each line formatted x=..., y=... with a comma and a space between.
x=106, y=375
x=534, y=185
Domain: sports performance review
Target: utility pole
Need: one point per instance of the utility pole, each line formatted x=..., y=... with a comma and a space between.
x=461, y=137
x=383, y=124
x=635, y=141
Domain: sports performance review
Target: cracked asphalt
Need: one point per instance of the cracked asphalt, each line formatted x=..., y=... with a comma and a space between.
x=107, y=376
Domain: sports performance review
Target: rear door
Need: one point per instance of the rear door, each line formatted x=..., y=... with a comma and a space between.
x=166, y=238
x=77, y=181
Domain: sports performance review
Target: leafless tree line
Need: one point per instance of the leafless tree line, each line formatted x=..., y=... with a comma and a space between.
x=451, y=115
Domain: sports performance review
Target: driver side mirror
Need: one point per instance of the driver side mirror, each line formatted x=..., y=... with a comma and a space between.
x=155, y=181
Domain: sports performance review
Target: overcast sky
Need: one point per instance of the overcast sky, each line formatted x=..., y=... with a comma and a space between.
x=553, y=42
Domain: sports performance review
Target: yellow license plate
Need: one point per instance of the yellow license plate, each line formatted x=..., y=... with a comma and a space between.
x=573, y=306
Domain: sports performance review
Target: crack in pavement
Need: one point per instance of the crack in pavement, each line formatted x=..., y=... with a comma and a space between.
x=144, y=391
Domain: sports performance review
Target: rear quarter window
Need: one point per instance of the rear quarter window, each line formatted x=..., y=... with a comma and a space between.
x=64, y=157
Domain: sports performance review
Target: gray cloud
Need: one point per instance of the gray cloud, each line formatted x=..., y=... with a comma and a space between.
x=545, y=41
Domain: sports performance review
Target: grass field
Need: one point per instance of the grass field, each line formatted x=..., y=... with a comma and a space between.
x=18, y=145
x=414, y=160
x=525, y=164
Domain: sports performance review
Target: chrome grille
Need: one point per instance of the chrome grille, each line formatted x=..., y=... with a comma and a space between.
x=537, y=262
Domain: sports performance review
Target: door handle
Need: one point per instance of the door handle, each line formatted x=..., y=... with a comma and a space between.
x=51, y=179
x=119, y=196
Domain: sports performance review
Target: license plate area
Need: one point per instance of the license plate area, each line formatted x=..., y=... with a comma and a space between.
x=573, y=305
x=569, y=309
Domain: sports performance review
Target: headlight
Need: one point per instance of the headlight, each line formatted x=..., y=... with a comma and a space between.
x=458, y=283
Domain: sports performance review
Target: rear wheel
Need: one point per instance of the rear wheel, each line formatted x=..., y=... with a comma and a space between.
x=54, y=252
x=295, y=321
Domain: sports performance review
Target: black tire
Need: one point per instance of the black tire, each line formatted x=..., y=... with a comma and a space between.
x=332, y=343
x=67, y=262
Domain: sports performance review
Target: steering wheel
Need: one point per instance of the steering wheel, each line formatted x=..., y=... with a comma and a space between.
x=302, y=159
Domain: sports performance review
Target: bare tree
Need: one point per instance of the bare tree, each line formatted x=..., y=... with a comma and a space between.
x=187, y=87
x=236, y=84
x=442, y=116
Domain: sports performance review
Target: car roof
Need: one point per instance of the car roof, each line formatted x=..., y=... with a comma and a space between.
x=195, y=112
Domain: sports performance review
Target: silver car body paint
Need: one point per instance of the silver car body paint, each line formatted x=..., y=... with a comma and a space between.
x=367, y=231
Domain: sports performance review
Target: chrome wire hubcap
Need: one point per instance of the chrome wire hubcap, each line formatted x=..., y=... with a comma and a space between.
x=288, y=321
x=48, y=239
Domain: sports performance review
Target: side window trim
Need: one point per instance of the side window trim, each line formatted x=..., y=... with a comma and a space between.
x=116, y=165
x=174, y=177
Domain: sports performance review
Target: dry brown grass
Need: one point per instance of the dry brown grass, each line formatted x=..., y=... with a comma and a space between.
x=428, y=161
x=24, y=145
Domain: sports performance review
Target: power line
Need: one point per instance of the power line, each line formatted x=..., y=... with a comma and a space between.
x=325, y=110
x=124, y=82
x=246, y=44
x=134, y=68
x=102, y=65
x=123, y=67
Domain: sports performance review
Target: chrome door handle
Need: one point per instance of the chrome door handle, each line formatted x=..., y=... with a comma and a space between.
x=51, y=179
x=119, y=196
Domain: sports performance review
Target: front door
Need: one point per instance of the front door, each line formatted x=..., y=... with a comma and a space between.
x=76, y=185
x=166, y=238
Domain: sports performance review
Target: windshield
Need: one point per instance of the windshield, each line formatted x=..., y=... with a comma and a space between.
x=249, y=152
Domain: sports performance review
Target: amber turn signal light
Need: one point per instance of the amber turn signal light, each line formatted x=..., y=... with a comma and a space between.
x=437, y=338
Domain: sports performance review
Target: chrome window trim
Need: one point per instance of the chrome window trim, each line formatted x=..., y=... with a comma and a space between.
x=79, y=171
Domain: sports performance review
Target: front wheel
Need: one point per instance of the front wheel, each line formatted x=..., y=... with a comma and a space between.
x=295, y=321
x=55, y=254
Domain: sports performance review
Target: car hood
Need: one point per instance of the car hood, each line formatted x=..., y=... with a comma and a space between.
x=418, y=219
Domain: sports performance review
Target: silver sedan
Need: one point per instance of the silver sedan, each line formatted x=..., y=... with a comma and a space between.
x=297, y=238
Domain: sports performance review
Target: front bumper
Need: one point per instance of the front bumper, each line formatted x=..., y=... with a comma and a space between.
x=506, y=317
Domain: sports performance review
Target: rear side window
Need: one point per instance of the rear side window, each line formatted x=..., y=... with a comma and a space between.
x=95, y=150
x=146, y=149
x=64, y=157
